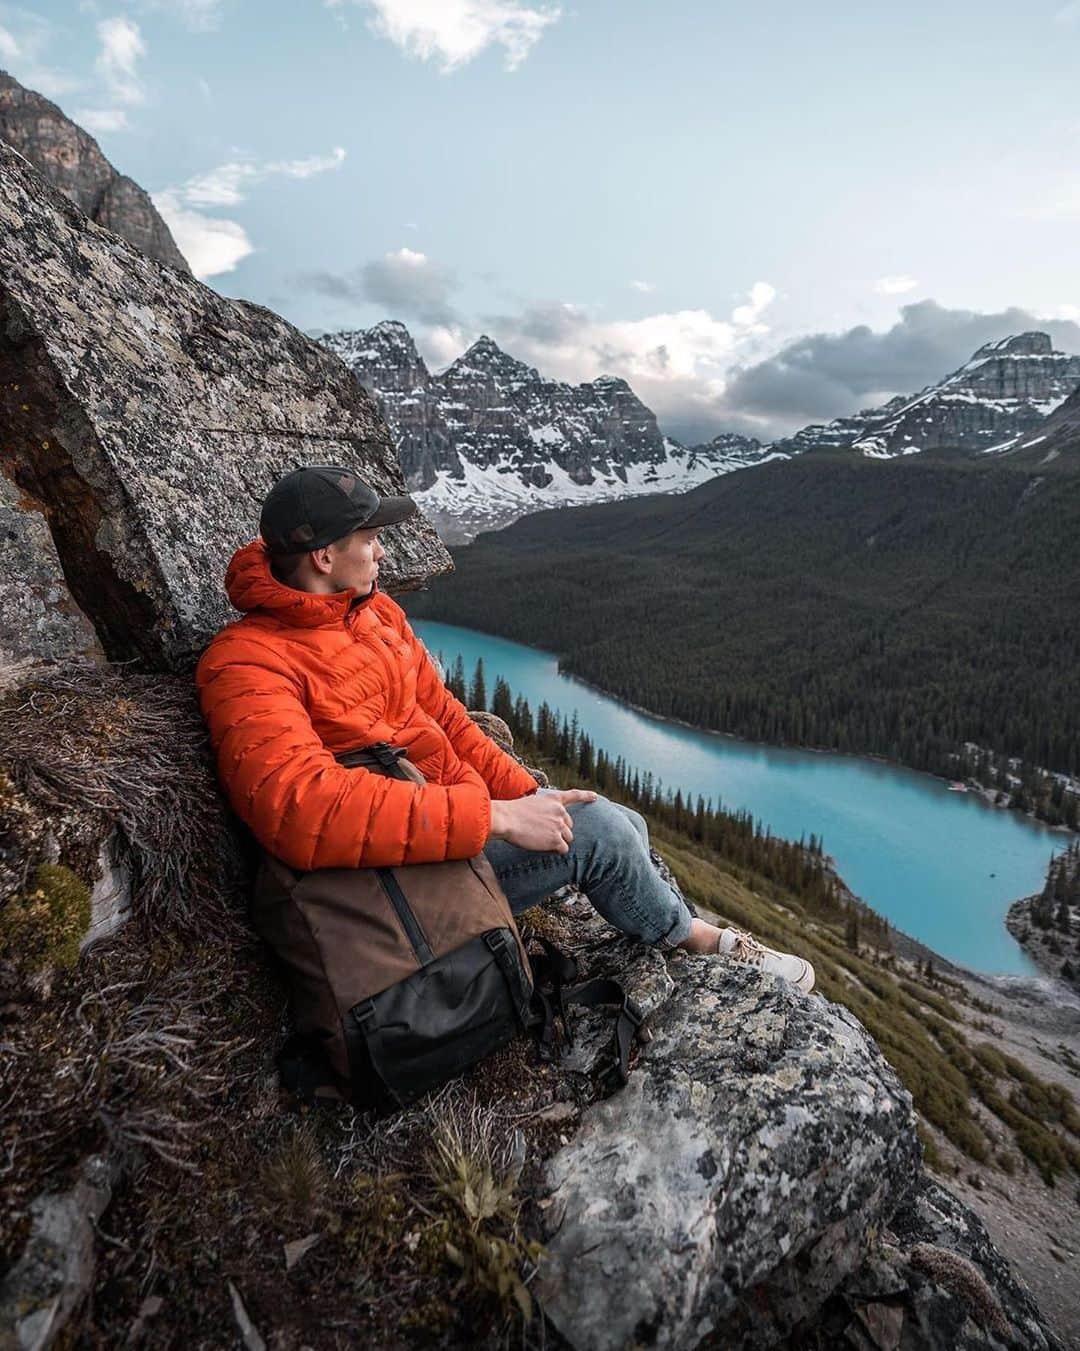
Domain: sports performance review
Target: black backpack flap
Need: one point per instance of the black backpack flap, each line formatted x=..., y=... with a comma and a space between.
x=431, y=1026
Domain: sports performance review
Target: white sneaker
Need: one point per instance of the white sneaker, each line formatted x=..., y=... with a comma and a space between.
x=744, y=947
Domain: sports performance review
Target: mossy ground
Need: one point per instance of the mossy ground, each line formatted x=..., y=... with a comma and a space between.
x=44, y=925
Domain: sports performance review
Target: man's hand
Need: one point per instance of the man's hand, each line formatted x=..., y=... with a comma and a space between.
x=540, y=821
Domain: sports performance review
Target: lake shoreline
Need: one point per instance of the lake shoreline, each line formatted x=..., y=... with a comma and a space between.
x=985, y=794
x=888, y=824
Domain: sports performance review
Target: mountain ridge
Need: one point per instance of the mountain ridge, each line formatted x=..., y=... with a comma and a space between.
x=489, y=438
x=1005, y=389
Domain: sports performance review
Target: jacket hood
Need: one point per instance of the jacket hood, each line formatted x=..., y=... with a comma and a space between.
x=252, y=586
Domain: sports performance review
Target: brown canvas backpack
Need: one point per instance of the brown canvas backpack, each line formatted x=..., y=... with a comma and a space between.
x=401, y=978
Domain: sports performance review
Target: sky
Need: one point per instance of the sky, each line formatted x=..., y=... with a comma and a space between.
x=761, y=215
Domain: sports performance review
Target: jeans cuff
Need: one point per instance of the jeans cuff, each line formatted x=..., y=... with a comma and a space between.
x=679, y=931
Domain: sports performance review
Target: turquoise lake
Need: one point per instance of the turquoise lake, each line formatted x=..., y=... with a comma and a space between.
x=941, y=866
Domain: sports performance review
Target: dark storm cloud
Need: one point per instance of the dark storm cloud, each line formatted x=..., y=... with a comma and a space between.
x=547, y=324
x=826, y=375
x=407, y=285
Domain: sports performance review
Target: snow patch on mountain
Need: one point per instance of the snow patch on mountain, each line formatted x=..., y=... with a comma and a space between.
x=1005, y=391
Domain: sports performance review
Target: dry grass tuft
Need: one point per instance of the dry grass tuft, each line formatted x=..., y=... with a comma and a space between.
x=93, y=749
x=294, y=1181
x=477, y=1173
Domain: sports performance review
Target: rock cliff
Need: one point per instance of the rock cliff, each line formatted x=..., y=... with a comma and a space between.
x=71, y=159
x=490, y=439
x=144, y=418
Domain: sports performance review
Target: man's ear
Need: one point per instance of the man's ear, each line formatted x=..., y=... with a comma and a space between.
x=322, y=560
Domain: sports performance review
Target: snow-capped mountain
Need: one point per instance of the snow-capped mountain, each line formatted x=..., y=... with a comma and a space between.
x=489, y=439
x=1006, y=390
x=1054, y=444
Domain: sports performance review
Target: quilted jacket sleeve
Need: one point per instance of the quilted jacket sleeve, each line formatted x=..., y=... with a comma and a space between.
x=304, y=807
x=505, y=778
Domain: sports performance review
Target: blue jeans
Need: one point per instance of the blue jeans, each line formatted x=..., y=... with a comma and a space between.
x=609, y=860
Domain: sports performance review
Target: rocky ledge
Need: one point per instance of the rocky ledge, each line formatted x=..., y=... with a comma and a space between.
x=757, y=1183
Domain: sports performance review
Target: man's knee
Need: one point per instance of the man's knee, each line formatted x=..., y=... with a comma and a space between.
x=638, y=822
x=608, y=825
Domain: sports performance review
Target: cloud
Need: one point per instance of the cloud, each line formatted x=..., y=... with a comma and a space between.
x=214, y=245
x=228, y=184
x=749, y=315
x=9, y=48
x=1064, y=206
x=211, y=244
x=202, y=16
x=99, y=120
x=453, y=32
x=895, y=286
x=676, y=360
x=406, y=284
x=672, y=346
x=121, y=48
x=645, y=286
x=826, y=375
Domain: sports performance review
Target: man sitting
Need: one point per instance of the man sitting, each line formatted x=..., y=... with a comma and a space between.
x=324, y=662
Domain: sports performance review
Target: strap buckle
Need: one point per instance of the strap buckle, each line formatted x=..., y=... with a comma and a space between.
x=363, y=1011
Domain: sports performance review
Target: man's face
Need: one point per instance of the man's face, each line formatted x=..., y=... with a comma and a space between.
x=356, y=561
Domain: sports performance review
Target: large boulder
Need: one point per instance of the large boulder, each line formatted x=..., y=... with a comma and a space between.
x=733, y=1183
x=143, y=419
x=757, y=1183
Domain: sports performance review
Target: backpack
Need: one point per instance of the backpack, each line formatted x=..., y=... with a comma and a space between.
x=401, y=978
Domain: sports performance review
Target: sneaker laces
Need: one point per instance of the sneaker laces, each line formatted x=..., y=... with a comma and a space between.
x=746, y=948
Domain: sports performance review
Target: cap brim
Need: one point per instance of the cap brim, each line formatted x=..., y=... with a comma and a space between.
x=390, y=511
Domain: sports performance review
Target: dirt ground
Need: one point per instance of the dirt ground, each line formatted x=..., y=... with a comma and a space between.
x=1035, y=1226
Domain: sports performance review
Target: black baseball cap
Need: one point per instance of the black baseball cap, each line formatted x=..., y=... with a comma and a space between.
x=314, y=506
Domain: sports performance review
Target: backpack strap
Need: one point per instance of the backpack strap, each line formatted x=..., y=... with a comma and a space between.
x=305, y=1071
x=380, y=756
x=604, y=991
x=553, y=996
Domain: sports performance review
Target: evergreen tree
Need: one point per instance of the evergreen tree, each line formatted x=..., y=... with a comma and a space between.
x=478, y=690
x=502, y=703
x=456, y=682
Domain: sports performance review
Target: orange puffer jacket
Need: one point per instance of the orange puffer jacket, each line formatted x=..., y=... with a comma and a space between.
x=303, y=677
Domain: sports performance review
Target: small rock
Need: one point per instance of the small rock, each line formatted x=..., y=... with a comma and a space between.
x=299, y=1248
x=248, y=1330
